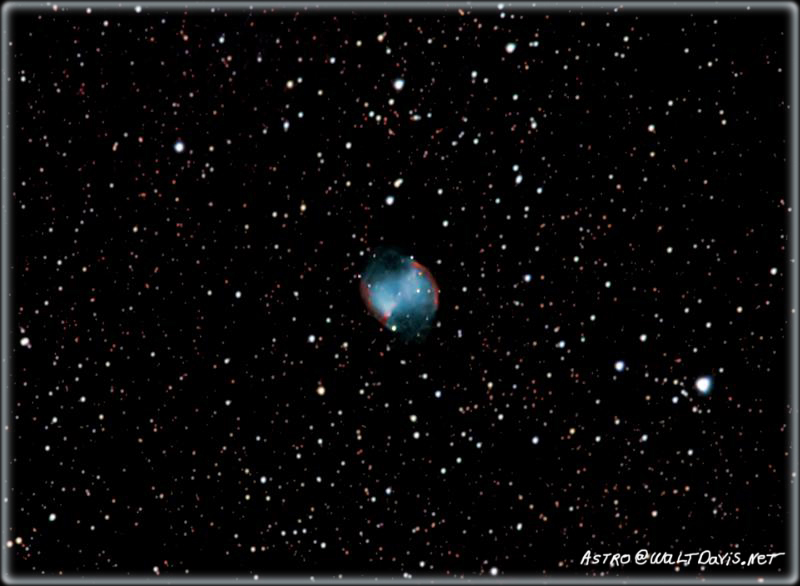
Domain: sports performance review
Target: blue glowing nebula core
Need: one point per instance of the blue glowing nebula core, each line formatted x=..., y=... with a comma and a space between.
x=400, y=293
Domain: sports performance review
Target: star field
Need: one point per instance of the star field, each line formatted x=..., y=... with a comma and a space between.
x=198, y=388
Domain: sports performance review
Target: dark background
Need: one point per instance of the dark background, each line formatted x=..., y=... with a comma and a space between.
x=156, y=456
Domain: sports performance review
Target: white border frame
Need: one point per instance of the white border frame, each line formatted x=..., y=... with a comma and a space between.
x=334, y=6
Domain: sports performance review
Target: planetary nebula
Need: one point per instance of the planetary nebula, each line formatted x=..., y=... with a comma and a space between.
x=400, y=293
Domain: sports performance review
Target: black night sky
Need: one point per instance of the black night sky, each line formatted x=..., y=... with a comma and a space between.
x=198, y=388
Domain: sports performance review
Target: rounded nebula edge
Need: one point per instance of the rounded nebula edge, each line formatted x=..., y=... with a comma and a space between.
x=401, y=293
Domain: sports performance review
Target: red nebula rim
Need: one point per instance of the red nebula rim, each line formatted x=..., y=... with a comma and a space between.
x=384, y=317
